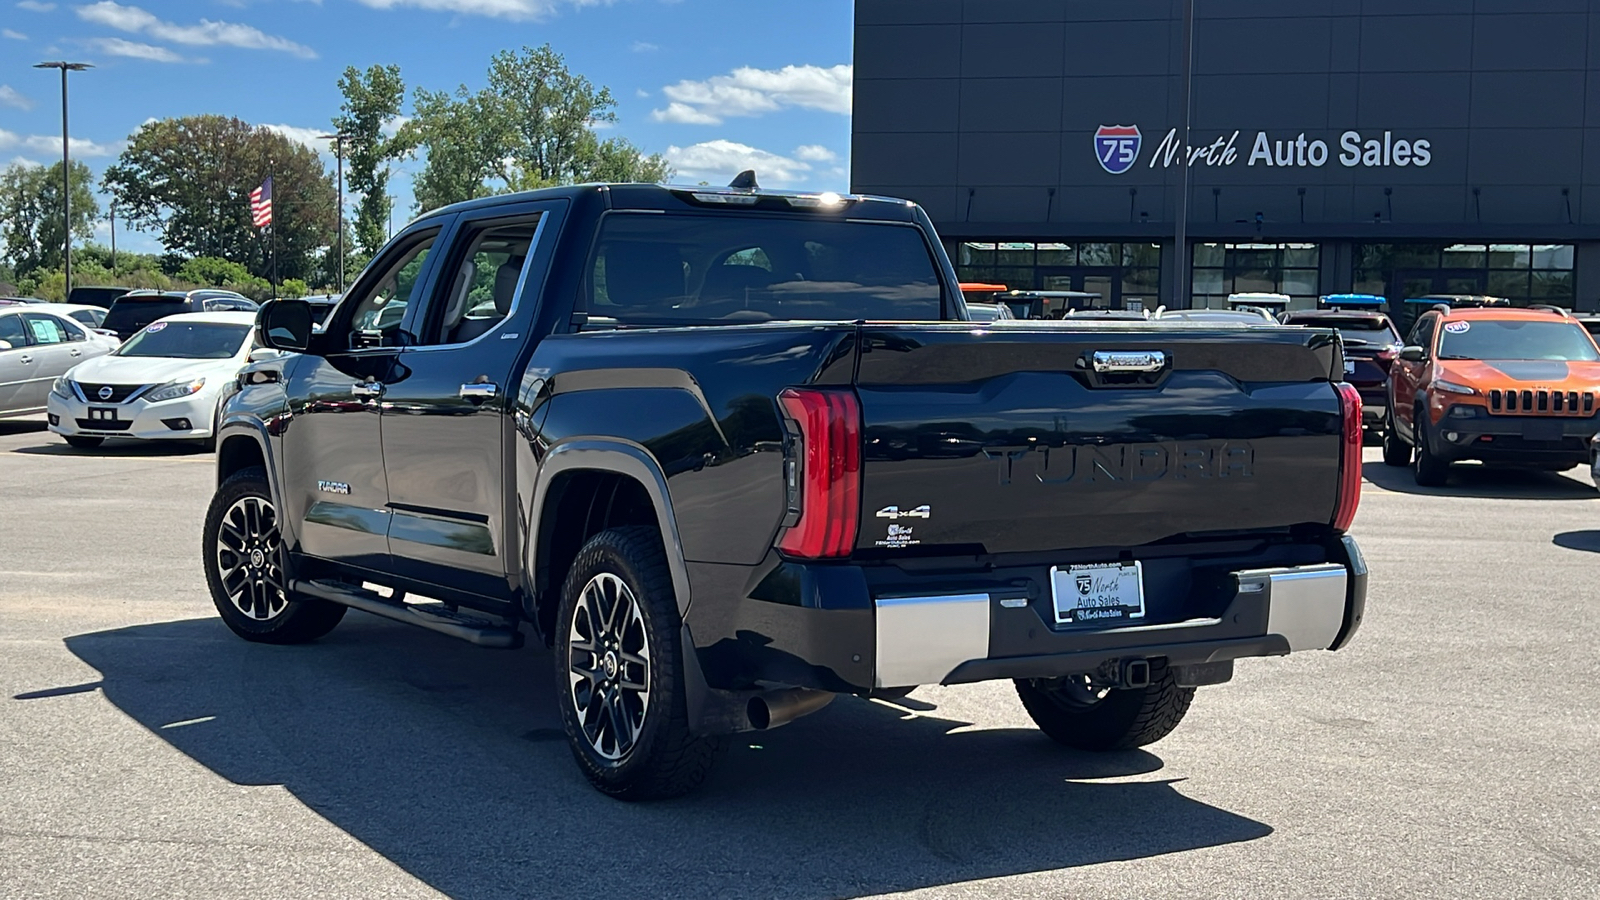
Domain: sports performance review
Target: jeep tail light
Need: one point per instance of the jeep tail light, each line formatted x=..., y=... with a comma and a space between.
x=823, y=473
x=1344, y=511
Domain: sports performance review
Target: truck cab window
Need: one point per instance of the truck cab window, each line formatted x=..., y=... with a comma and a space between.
x=375, y=318
x=480, y=291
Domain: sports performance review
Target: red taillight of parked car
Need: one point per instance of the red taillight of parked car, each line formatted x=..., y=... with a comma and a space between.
x=1344, y=511
x=823, y=472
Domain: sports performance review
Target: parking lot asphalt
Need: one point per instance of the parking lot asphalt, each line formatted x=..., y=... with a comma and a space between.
x=1452, y=751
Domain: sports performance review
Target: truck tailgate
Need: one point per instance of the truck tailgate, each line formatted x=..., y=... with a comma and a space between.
x=1012, y=439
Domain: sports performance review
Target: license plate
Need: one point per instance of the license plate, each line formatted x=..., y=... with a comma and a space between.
x=1546, y=430
x=99, y=414
x=1349, y=367
x=1102, y=593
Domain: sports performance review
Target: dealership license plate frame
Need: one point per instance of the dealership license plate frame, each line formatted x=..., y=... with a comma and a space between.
x=1124, y=593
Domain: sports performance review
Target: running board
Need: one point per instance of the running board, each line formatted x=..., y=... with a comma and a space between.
x=433, y=617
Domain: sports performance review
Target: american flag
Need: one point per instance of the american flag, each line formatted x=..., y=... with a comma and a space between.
x=261, y=204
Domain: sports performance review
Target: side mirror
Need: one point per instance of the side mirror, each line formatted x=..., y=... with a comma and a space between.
x=5, y=345
x=1413, y=354
x=284, y=325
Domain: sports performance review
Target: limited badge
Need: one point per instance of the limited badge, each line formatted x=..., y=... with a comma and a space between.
x=1458, y=327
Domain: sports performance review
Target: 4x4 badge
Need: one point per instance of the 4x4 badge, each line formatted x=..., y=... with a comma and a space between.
x=895, y=512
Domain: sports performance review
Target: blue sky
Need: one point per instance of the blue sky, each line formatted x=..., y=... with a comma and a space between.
x=716, y=85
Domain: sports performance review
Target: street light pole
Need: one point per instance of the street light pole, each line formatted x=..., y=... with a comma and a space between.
x=66, y=170
x=1183, y=291
x=338, y=151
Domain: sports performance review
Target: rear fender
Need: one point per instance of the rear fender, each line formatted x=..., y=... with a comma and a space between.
x=620, y=457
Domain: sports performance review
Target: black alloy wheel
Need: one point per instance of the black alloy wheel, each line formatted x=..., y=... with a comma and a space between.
x=619, y=664
x=246, y=568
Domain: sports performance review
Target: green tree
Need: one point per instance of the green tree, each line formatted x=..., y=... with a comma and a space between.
x=190, y=178
x=533, y=126
x=30, y=214
x=371, y=100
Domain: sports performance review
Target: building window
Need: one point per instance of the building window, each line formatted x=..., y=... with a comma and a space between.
x=1112, y=269
x=1522, y=273
x=1223, y=269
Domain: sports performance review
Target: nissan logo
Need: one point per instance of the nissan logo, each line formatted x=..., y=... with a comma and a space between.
x=106, y=392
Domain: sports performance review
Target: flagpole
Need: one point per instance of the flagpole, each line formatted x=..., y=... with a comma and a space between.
x=274, y=227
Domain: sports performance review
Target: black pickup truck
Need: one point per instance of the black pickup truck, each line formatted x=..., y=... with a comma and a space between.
x=733, y=452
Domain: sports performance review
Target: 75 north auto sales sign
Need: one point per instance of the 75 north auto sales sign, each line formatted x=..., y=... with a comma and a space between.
x=1118, y=148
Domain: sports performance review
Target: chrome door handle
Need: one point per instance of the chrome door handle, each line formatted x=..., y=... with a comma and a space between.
x=479, y=390
x=76, y=352
x=367, y=389
x=1110, y=361
x=25, y=359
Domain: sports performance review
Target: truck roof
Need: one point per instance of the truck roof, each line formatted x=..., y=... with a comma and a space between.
x=683, y=197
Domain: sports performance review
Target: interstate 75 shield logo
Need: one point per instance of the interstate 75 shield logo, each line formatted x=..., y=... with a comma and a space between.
x=1117, y=147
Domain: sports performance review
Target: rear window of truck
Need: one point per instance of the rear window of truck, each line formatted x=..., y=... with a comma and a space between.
x=685, y=269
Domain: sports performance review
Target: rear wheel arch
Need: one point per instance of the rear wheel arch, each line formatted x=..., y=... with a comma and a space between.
x=584, y=488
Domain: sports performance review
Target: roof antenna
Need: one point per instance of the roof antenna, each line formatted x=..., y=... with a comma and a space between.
x=745, y=181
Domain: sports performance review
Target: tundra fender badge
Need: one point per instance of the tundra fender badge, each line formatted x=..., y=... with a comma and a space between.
x=895, y=513
x=333, y=487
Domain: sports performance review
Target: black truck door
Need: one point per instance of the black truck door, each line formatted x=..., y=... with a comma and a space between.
x=335, y=489
x=446, y=422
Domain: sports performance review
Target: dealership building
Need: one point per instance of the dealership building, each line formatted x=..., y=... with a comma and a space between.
x=1392, y=147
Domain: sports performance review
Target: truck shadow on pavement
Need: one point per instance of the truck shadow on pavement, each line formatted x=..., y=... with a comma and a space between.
x=1578, y=540
x=1487, y=482
x=450, y=762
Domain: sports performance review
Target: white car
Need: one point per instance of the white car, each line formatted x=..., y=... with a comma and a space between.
x=166, y=383
x=36, y=345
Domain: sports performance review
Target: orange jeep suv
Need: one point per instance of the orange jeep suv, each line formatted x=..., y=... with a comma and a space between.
x=1512, y=386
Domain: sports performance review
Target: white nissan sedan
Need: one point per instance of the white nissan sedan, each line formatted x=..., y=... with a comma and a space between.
x=166, y=383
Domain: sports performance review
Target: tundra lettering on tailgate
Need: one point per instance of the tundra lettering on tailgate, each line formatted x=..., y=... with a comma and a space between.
x=1118, y=463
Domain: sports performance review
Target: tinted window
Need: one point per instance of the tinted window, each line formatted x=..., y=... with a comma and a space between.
x=481, y=290
x=130, y=314
x=188, y=340
x=1354, y=331
x=11, y=331
x=681, y=269
x=374, y=318
x=89, y=317
x=1516, y=340
x=229, y=304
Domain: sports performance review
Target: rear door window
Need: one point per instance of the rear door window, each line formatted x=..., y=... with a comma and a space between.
x=13, y=332
x=726, y=269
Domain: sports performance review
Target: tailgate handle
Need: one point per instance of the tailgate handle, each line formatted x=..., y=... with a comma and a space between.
x=1108, y=361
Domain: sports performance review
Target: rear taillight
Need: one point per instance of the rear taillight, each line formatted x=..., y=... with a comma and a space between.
x=824, y=473
x=1344, y=512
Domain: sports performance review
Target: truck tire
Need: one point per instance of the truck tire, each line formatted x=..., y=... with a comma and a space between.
x=619, y=668
x=1430, y=470
x=247, y=570
x=1071, y=712
x=1396, y=452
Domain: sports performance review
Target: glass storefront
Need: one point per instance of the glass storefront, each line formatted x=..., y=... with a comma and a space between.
x=1223, y=269
x=1118, y=272
x=1523, y=273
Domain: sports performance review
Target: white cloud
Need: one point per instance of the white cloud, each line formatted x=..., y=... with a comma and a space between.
x=644, y=47
x=24, y=161
x=306, y=137
x=753, y=92
x=207, y=33
x=815, y=153
x=393, y=126
x=10, y=97
x=684, y=114
x=13, y=35
x=718, y=161
x=51, y=145
x=515, y=10
x=136, y=50
x=36, y=6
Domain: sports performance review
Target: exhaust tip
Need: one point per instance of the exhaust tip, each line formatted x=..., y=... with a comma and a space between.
x=759, y=714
